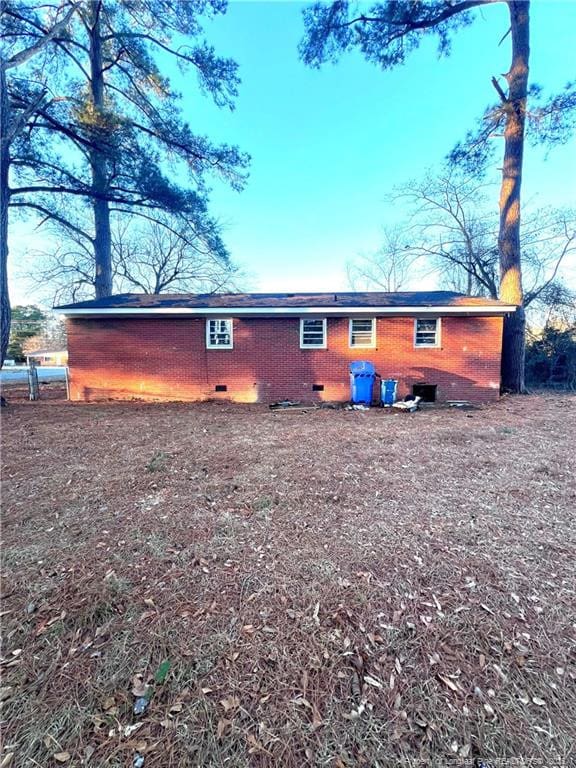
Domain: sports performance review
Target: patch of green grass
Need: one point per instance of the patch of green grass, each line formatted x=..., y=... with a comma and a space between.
x=156, y=544
x=39, y=729
x=13, y=557
x=321, y=567
x=55, y=630
x=158, y=462
x=117, y=585
x=95, y=615
x=262, y=503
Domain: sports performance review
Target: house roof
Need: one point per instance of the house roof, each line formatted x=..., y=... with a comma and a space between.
x=287, y=303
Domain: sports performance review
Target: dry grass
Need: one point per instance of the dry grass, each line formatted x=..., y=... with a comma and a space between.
x=331, y=588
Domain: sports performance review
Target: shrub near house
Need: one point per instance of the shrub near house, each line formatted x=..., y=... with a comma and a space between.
x=551, y=358
x=264, y=347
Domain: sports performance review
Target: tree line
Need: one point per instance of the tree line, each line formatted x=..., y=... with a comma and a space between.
x=95, y=144
x=33, y=329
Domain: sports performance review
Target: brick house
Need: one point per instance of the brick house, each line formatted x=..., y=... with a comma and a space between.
x=266, y=347
x=56, y=357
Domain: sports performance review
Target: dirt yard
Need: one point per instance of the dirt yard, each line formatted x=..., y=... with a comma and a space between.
x=331, y=588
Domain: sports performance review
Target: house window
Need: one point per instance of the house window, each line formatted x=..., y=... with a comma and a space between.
x=219, y=333
x=427, y=332
x=363, y=332
x=313, y=333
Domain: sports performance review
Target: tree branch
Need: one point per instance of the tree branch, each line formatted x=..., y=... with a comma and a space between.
x=411, y=25
x=52, y=215
x=23, y=56
x=530, y=296
x=19, y=123
x=496, y=84
x=142, y=36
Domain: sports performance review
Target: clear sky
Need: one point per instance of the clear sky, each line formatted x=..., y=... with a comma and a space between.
x=328, y=145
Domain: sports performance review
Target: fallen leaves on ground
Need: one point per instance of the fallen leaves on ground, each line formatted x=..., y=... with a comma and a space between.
x=311, y=589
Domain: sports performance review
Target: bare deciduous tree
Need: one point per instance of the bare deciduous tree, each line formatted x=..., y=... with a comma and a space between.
x=159, y=258
x=168, y=254
x=452, y=230
x=452, y=225
x=390, y=268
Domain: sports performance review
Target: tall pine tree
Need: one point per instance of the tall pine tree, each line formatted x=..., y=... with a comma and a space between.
x=25, y=43
x=109, y=132
x=385, y=34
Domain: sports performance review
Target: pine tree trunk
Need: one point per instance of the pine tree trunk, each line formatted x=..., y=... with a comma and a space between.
x=98, y=165
x=5, y=312
x=513, y=347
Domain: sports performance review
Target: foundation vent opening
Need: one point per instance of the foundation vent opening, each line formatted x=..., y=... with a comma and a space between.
x=426, y=391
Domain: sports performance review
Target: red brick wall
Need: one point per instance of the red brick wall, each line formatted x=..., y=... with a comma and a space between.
x=167, y=359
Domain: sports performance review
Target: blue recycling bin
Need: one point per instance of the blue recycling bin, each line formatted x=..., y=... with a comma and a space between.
x=388, y=391
x=362, y=377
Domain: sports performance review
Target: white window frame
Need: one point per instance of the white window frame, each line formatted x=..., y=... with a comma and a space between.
x=438, y=340
x=372, y=343
x=324, y=344
x=219, y=320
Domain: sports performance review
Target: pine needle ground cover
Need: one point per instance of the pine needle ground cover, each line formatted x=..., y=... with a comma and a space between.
x=331, y=588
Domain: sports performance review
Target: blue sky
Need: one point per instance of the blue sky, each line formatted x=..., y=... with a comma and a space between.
x=328, y=145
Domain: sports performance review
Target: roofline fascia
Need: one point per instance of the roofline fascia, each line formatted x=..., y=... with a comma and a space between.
x=480, y=309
